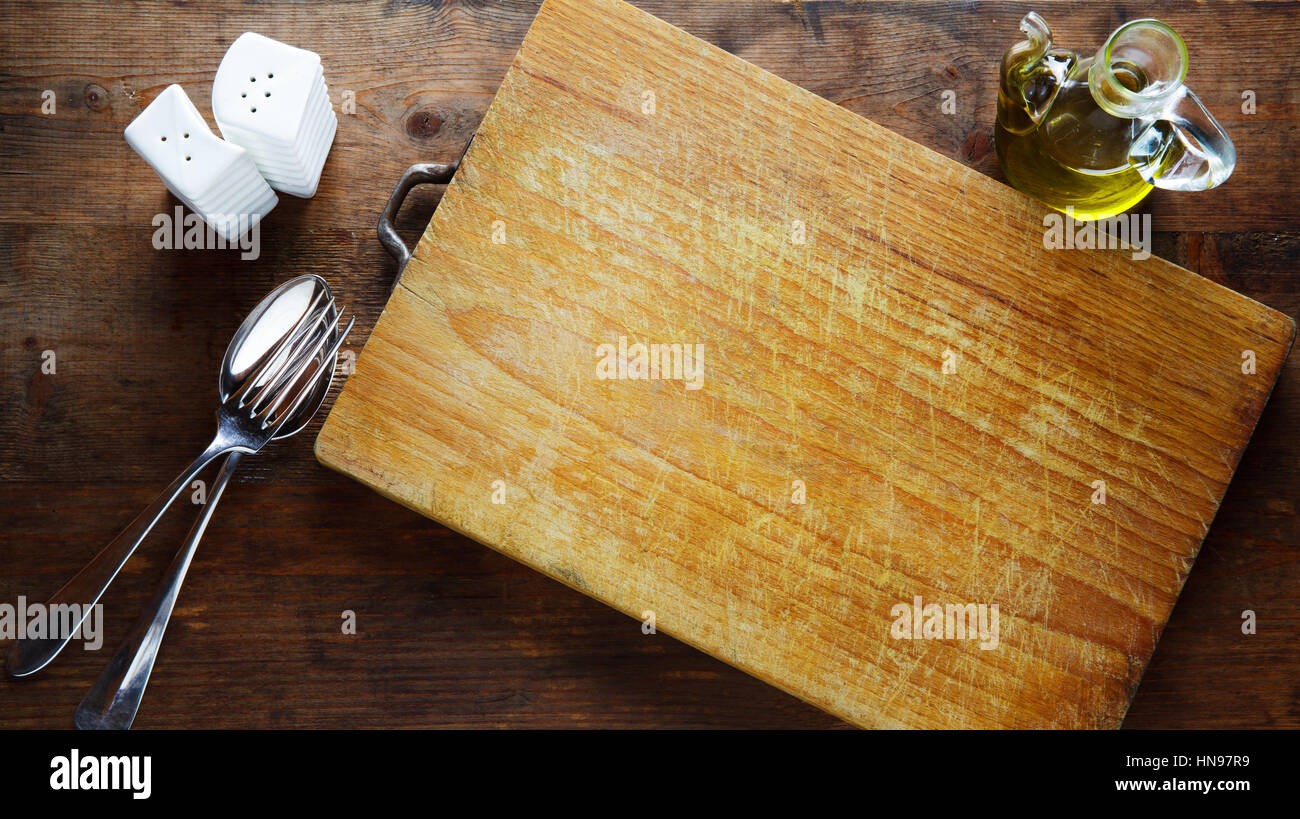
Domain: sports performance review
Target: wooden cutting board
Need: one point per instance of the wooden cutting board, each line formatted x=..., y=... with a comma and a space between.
x=898, y=391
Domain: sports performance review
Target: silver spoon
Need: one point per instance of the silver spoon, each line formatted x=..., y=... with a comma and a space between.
x=246, y=422
x=114, y=699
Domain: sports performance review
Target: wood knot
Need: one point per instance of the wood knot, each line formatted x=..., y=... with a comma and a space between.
x=977, y=145
x=423, y=124
x=96, y=97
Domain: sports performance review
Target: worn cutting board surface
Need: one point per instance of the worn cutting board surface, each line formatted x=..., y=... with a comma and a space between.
x=901, y=392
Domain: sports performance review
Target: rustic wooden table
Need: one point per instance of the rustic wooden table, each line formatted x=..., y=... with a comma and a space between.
x=450, y=633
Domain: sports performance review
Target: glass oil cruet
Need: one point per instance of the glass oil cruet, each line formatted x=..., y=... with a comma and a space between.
x=1097, y=133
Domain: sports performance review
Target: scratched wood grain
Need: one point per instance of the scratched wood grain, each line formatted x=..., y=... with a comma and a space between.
x=581, y=216
x=464, y=636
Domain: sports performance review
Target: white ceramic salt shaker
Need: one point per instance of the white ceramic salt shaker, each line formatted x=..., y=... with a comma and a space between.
x=214, y=178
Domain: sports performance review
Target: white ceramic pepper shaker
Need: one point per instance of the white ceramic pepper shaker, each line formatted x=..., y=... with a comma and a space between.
x=271, y=98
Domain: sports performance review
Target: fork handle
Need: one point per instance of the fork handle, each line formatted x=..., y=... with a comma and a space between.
x=84, y=590
x=114, y=699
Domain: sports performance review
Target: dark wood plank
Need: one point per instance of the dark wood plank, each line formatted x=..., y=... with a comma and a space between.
x=452, y=634
x=423, y=74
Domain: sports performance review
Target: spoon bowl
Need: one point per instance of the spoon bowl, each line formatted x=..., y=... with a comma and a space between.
x=256, y=338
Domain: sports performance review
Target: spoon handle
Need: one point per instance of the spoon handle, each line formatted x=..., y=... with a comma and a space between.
x=115, y=697
x=79, y=595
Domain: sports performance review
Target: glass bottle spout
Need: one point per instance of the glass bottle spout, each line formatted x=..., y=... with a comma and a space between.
x=1032, y=74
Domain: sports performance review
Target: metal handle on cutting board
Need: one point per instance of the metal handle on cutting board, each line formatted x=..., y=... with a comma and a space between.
x=428, y=173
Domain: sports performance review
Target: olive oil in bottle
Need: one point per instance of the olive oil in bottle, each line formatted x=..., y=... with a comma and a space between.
x=1095, y=134
x=1078, y=155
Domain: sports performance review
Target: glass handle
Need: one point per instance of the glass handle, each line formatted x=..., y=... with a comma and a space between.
x=1185, y=149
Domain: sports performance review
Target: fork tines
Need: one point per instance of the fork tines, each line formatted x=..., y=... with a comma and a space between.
x=328, y=357
x=284, y=360
x=265, y=410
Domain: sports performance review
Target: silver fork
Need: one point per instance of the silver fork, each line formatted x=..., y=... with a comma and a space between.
x=246, y=421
